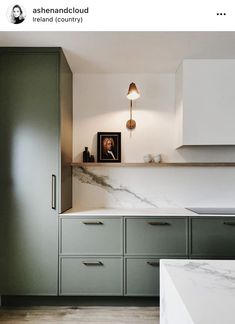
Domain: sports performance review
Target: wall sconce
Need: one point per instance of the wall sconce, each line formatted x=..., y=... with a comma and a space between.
x=132, y=94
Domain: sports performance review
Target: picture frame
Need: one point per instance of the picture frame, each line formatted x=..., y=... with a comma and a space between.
x=109, y=147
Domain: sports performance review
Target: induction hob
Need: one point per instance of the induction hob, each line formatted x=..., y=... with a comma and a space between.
x=212, y=210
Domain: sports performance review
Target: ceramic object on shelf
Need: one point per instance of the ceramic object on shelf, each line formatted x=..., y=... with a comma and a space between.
x=147, y=158
x=157, y=158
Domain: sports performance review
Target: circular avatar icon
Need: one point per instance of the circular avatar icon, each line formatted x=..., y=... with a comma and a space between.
x=16, y=14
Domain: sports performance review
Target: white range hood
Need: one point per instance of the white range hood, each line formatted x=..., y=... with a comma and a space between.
x=205, y=102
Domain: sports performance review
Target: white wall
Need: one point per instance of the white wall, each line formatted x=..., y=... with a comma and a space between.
x=100, y=104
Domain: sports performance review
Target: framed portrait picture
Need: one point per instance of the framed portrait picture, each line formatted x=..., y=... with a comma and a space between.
x=109, y=147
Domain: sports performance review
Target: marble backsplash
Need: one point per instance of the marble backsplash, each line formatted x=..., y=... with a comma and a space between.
x=141, y=187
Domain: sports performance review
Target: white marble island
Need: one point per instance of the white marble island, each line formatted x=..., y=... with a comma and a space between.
x=197, y=292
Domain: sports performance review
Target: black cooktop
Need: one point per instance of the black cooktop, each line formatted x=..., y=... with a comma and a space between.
x=212, y=210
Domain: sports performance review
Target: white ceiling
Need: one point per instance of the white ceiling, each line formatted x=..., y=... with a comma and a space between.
x=128, y=52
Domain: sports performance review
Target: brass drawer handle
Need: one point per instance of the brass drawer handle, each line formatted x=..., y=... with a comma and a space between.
x=158, y=223
x=93, y=223
x=92, y=263
x=153, y=263
x=229, y=223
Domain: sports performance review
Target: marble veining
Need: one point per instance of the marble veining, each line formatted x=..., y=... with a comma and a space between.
x=224, y=278
x=206, y=268
x=88, y=177
x=197, y=291
x=97, y=187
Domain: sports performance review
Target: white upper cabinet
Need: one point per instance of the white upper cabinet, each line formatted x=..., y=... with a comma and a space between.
x=205, y=102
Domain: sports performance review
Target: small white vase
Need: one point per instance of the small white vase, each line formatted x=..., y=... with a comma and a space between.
x=147, y=158
x=157, y=158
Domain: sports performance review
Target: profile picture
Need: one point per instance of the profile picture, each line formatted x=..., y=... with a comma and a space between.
x=109, y=147
x=16, y=14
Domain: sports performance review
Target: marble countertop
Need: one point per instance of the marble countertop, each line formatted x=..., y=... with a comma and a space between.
x=130, y=212
x=197, y=291
x=135, y=212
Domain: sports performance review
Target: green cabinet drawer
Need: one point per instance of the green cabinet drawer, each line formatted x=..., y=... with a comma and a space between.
x=141, y=277
x=91, y=276
x=91, y=236
x=156, y=236
x=213, y=237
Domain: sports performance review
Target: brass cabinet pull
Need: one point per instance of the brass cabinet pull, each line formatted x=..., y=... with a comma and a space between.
x=229, y=223
x=158, y=223
x=153, y=263
x=53, y=191
x=92, y=263
x=93, y=223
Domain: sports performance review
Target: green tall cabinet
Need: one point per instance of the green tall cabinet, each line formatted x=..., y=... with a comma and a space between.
x=35, y=172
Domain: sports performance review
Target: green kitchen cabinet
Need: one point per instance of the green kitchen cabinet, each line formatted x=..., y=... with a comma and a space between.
x=91, y=255
x=147, y=240
x=35, y=172
x=134, y=264
x=212, y=237
x=156, y=236
x=91, y=276
x=141, y=276
x=119, y=251
x=87, y=236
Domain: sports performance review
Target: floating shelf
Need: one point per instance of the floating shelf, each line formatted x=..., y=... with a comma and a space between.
x=152, y=164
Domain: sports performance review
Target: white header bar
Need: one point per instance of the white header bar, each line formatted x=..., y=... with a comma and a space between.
x=118, y=15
